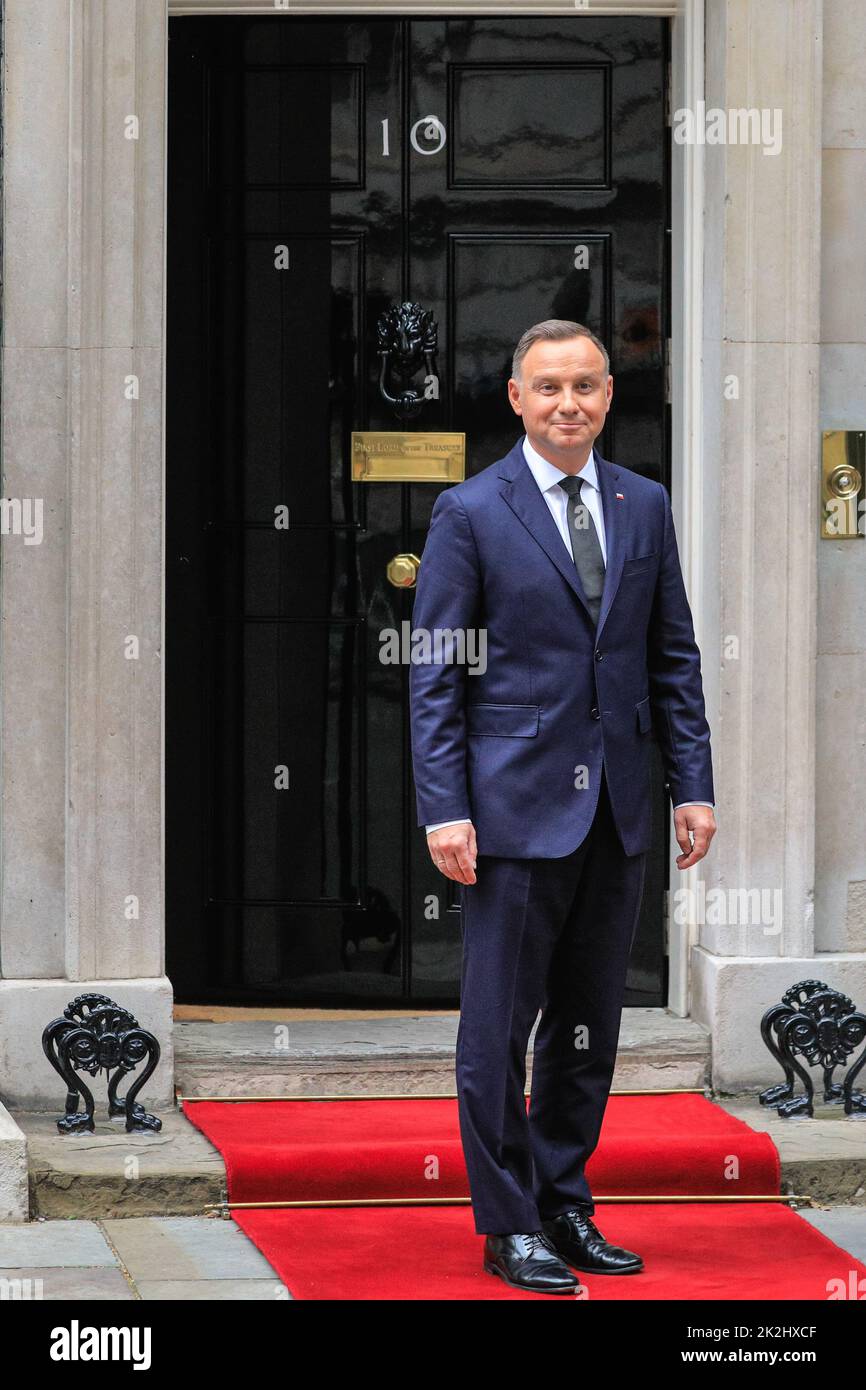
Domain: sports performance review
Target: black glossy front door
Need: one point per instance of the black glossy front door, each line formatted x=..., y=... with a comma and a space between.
x=498, y=171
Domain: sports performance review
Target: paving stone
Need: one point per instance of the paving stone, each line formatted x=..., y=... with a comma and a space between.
x=66, y=1285
x=196, y=1290
x=844, y=1225
x=186, y=1248
x=53, y=1244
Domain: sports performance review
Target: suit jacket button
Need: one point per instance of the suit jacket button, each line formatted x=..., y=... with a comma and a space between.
x=594, y=712
x=598, y=656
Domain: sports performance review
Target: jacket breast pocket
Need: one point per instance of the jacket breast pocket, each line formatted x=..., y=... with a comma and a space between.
x=644, y=716
x=502, y=721
x=640, y=564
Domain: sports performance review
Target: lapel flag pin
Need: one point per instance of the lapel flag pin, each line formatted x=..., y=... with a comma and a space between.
x=621, y=496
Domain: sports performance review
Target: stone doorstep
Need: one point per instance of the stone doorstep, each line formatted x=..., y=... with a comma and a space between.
x=375, y=1055
x=823, y=1157
x=177, y=1171
x=13, y=1169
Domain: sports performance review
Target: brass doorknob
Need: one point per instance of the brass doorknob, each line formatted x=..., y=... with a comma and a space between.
x=844, y=481
x=402, y=571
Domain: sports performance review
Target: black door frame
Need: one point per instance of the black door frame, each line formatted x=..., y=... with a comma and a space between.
x=667, y=307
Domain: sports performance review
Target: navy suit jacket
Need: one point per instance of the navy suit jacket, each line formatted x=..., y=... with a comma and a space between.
x=505, y=748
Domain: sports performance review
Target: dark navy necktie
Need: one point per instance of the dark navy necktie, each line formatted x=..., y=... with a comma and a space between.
x=585, y=545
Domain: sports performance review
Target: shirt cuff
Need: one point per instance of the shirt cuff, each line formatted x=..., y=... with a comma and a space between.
x=440, y=825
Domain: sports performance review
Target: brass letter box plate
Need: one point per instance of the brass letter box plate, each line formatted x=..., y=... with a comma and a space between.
x=843, y=485
x=389, y=456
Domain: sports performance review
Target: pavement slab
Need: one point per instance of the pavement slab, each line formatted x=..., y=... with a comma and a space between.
x=185, y=1248
x=50, y=1284
x=844, y=1225
x=205, y=1290
x=173, y=1258
x=54, y=1243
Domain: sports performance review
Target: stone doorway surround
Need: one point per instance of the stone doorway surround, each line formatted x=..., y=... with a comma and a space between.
x=82, y=898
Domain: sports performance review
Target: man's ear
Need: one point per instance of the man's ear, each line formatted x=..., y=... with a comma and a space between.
x=514, y=396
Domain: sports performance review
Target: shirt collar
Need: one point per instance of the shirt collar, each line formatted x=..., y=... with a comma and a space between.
x=547, y=475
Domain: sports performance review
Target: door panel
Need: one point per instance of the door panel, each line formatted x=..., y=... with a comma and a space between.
x=498, y=171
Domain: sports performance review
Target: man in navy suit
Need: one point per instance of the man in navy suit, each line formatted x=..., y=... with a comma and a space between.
x=532, y=778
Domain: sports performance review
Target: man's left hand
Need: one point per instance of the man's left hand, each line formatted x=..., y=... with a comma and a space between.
x=700, y=820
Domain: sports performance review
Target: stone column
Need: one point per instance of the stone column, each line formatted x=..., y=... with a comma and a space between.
x=762, y=329
x=81, y=898
x=840, y=888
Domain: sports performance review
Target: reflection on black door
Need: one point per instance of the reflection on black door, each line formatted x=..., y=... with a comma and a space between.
x=499, y=172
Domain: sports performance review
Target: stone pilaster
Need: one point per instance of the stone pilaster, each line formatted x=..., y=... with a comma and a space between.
x=762, y=329
x=80, y=707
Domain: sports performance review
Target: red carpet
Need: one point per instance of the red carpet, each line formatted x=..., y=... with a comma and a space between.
x=691, y=1251
x=650, y=1145
x=303, y=1149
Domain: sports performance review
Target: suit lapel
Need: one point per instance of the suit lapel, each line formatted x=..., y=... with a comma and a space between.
x=522, y=494
x=520, y=490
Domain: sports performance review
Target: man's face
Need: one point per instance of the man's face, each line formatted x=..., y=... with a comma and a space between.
x=563, y=397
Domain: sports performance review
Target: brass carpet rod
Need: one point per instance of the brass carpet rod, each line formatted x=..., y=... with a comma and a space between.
x=439, y=1095
x=465, y=1201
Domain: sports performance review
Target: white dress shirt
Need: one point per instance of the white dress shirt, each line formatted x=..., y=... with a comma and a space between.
x=548, y=478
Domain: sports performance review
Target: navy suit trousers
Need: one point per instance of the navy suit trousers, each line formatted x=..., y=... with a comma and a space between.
x=555, y=935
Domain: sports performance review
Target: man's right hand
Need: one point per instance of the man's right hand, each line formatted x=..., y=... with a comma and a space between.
x=454, y=851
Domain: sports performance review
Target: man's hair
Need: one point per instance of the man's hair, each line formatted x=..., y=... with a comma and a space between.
x=554, y=331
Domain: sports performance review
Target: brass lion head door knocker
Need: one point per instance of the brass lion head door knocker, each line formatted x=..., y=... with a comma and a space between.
x=407, y=337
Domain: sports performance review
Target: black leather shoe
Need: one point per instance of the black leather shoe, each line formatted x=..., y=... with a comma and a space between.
x=579, y=1241
x=528, y=1262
